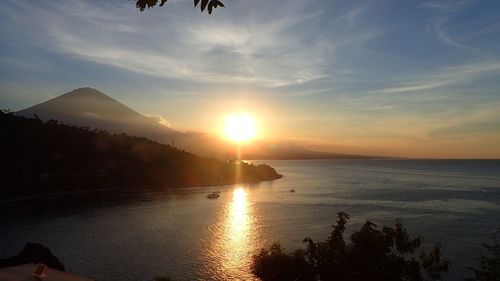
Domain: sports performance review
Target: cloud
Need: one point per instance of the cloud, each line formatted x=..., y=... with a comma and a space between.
x=264, y=49
x=160, y=120
x=445, y=37
x=416, y=87
x=447, y=6
x=446, y=76
x=480, y=121
x=250, y=52
x=446, y=12
x=467, y=129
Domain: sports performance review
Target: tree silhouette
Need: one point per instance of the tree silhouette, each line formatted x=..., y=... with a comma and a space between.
x=208, y=4
x=489, y=264
x=50, y=156
x=387, y=254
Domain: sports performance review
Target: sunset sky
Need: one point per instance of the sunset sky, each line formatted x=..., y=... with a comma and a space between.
x=396, y=78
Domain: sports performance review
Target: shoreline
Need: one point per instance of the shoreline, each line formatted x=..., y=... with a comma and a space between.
x=10, y=199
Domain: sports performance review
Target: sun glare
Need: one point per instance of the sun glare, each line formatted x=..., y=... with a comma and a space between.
x=240, y=127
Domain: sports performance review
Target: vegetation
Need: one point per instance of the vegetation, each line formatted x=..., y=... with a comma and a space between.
x=489, y=265
x=44, y=157
x=372, y=254
x=208, y=4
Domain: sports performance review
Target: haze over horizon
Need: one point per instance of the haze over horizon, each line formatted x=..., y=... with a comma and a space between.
x=413, y=79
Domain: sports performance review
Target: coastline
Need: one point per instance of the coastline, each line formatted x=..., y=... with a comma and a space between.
x=136, y=188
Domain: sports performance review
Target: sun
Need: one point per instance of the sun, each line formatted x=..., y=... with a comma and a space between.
x=240, y=127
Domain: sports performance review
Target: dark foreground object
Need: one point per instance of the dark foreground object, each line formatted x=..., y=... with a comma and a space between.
x=37, y=272
x=34, y=253
x=386, y=254
x=40, y=157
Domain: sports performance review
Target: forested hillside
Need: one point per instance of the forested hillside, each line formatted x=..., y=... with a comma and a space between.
x=48, y=156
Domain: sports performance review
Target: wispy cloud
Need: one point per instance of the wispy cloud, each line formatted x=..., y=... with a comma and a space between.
x=481, y=120
x=446, y=76
x=261, y=53
x=446, y=11
x=447, y=6
x=261, y=50
x=160, y=120
x=415, y=87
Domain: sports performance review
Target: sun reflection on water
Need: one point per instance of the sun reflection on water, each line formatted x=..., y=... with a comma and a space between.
x=234, y=240
x=238, y=229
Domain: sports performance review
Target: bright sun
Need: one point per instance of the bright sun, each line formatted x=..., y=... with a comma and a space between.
x=240, y=127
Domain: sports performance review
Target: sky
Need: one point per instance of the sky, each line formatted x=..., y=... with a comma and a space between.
x=393, y=78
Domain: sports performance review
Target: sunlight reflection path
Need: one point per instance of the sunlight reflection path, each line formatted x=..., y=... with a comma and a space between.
x=230, y=255
x=238, y=229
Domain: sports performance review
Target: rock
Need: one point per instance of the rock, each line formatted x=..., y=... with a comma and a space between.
x=34, y=253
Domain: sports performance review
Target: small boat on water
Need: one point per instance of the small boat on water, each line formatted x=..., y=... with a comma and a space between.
x=213, y=195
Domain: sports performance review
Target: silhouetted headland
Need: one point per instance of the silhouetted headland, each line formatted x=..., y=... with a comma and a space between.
x=40, y=157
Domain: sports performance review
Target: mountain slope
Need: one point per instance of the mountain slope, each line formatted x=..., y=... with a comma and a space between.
x=90, y=107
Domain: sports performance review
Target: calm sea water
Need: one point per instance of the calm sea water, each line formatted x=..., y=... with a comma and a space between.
x=138, y=235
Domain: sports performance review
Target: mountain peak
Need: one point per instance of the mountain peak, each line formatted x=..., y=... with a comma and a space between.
x=82, y=103
x=90, y=107
x=86, y=89
x=87, y=92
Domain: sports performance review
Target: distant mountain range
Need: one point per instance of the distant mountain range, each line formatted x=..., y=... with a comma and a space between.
x=91, y=108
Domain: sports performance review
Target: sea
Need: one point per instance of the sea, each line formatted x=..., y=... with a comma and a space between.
x=178, y=233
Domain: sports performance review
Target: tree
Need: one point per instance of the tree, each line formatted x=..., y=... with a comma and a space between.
x=489, y=266
x=208, y=4
x=387, y=254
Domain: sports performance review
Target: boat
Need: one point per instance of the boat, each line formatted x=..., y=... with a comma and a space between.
x=213, y=195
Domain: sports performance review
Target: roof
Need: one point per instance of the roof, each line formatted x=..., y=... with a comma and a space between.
x=25, y=272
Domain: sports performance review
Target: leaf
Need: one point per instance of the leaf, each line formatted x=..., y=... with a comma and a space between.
x=203, y=4
x=142, y=4
x=210, y=5
x=217, y=3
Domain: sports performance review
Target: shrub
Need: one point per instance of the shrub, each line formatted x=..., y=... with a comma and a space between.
x=374, y=254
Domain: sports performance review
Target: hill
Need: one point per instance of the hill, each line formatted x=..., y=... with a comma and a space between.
x=48, y=156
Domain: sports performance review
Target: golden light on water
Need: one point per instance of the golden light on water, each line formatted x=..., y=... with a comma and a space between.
x=238, y=230
x=240, y=127
x=239, y=222
x=235, y=239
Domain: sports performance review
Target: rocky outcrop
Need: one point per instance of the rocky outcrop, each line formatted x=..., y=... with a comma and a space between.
x=34, y=253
